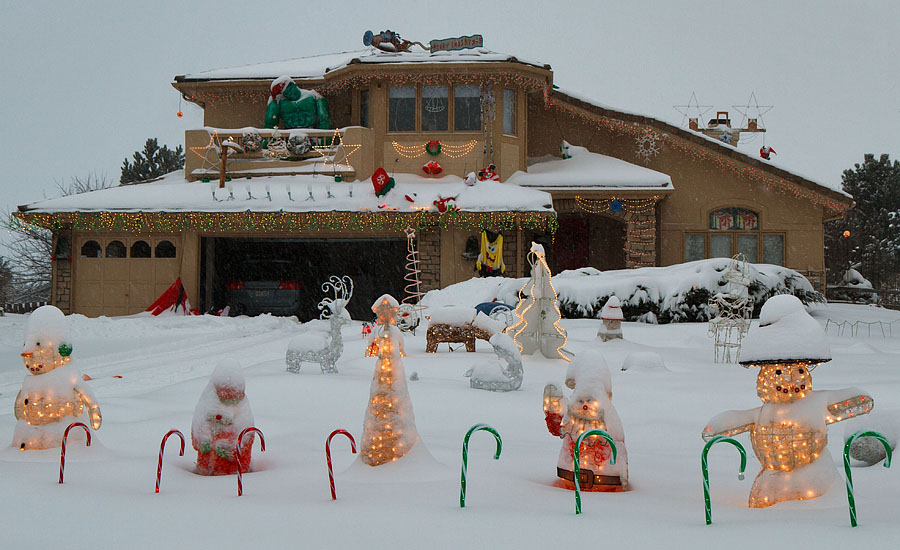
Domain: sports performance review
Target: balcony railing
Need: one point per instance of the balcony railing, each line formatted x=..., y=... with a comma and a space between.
x=266, y=152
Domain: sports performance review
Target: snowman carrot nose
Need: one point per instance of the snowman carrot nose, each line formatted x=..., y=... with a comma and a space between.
x=27, y=354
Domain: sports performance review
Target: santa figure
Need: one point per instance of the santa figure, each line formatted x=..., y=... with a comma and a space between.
x=765, y=151
x=590, y=407
x=489, y=173
x=221, y=415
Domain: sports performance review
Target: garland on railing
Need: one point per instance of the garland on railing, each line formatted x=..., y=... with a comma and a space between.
x=146, y=222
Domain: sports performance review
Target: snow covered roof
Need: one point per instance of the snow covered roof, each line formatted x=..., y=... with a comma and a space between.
x=720, y=147
x=315, y=67
x=585, y=169
x=172, y=193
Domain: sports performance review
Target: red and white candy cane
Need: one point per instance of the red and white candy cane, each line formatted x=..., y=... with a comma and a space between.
x=162, y=448
x=62, y=452
x=237, y=454
x=328, y=456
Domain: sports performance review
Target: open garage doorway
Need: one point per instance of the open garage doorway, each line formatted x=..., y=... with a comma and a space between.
x=285, y=276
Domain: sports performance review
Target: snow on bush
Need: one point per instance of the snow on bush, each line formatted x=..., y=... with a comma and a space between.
x=672, y=294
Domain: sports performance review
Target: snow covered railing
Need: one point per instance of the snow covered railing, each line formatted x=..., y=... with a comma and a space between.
x=20, y=307
x=269, y=152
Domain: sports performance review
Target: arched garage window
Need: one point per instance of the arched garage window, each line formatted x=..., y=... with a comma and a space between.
x=140, y=249
x=91, y=249
x=733, y=230
x=165, y=249
x=115, y=249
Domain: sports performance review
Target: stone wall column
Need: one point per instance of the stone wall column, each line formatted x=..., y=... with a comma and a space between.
x=429, y=247
x=640, y=239
x=61, y=285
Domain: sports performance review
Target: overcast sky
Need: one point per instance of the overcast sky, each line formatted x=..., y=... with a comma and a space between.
x=86, y=83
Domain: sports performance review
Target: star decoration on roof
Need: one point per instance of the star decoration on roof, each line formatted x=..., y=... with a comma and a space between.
x=693, y=109
x=337, y=152
x=753, y=110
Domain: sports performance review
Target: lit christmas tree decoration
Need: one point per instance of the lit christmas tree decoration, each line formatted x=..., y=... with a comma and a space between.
x=53, y=395
x=538, y=313
x=389, y=428
x=789, y=431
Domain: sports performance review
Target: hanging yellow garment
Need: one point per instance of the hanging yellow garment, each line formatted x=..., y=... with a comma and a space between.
x=490, y=259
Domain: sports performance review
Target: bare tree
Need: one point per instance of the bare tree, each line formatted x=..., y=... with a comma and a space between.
x=31, y=247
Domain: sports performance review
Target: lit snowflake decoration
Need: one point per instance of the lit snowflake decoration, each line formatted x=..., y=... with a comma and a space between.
x=647, y=146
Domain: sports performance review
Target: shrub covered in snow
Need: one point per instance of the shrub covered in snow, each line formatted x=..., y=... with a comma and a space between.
x=677, y=293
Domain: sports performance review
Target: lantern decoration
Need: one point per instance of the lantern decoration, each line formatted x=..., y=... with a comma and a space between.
x=389, y=427
x=221, y=415
x=382, y=182
x=612, y=318
x=538, y=312
x=789, y=431
x=53, y=395
x=589, y=408
x=432, y=168
x=490, y=257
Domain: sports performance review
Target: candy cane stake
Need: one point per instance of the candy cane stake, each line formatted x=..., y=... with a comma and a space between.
x=612, y=460
x=465, y=457
x=237, y=453
x=62, y=452
x=328, y=456
x=704, y=467
x=887, y=464
x=162, y=448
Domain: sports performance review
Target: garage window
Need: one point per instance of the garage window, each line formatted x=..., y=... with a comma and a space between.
x=165, y=249
x=115, y=249
x=140, y=249
x=91, y=249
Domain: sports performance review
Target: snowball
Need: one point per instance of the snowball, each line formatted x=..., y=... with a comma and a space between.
x=785, y=332
x=46, y=326
x=644, y=360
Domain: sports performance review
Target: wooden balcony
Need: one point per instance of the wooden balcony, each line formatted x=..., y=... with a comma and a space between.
x=349, y=152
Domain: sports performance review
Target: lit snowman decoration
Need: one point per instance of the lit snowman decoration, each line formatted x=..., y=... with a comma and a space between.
x=789, y=431
x=53, y=394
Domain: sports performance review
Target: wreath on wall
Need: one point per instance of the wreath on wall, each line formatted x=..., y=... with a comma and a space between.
x=433, y=148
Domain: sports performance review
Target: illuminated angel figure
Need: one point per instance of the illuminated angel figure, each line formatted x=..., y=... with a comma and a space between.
x=53, y=395
x=789, y=431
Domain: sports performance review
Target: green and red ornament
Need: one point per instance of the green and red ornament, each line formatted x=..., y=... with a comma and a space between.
x=382, y=182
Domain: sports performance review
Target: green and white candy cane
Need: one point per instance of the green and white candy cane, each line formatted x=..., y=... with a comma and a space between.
x=465, y=457
x=887, y=464
x=704, y=467
x=612, y=460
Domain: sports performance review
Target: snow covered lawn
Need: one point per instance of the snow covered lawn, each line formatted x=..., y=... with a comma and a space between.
x=108, y=501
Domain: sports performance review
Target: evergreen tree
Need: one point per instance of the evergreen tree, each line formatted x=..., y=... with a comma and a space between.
x=873, y=244
x=5, y=280
x=152, y=162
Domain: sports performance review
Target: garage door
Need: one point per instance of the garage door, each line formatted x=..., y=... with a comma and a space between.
x=122, y=275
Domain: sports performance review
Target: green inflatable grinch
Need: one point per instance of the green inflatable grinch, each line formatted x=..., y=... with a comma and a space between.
x=293, y=107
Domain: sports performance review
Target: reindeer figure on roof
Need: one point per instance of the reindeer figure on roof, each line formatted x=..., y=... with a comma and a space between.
x=319, y=342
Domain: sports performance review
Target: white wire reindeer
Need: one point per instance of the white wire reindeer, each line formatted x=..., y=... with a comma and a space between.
x=318, y=344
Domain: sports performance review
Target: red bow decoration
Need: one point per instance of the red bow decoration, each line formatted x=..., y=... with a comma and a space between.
x=432, y=168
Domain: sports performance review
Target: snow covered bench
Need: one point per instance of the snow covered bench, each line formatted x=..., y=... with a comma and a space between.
x=461, y=325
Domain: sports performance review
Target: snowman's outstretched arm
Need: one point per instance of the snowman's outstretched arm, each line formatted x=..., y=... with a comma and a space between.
x=90, y=403
x=846, y=403
x=730, y=423
x=555, y=404
x=19, y=408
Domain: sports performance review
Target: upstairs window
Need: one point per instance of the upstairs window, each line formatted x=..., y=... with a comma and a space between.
x=509, y=111
x=435, y=109
x=402, y=109
x=364, y=108
x=467, y=108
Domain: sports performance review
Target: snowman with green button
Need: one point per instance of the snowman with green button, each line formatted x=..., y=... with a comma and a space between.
x=53, y=394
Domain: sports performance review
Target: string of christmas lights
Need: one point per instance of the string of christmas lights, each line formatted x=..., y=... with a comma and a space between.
x=449, y=149
x=725, y=164
x=527, y=83
x=609, y=205
x=147, y=222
